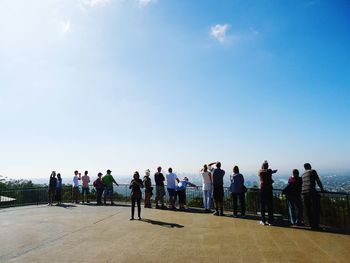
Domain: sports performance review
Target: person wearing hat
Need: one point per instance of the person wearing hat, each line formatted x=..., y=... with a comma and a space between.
x=181, y=192
x=148, y=188
x=99, y=186
x=108, y=181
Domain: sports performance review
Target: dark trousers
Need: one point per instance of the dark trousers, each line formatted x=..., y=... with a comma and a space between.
x=52, y=191
x=294, y=202
x=58, y=195
x=85, y=191
x=312, y=207
x=135, y=200
x=218, y=196
x=241, y=198
x=99, y=193
x=266, y=199
x=76, y=194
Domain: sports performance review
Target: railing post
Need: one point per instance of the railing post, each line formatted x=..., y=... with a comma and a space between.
x=37, y=196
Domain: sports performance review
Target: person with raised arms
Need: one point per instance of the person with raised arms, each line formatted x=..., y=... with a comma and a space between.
x=266, y=193
x=218, y=187
x=207, y=187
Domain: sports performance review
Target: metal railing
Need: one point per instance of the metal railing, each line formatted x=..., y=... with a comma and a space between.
x=335, y=208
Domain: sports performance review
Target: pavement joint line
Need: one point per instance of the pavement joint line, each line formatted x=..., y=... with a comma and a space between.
x=107, y=217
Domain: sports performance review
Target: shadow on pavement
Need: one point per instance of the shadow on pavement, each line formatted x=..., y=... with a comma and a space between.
x=161, y=223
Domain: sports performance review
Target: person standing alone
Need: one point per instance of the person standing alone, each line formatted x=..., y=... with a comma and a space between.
x=136, y=194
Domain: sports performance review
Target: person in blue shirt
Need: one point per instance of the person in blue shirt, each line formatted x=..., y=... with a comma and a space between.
x=59, y=189
x=181, y=191
x=237, y=190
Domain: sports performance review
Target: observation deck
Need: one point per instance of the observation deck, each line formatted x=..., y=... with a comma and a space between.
x=89, y=233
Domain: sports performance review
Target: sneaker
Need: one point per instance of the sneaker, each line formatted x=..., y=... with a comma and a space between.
x=139, y=218
x=157, y=207
x=235, y=216
x=216, y=213
x=132, y=219
x=222, y=213
x=262, y=223
x=164, y=207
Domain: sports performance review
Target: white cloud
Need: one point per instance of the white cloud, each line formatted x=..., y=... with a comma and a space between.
x=93, y=3
x=144, y=3
x=65, y=27
x=219, y=32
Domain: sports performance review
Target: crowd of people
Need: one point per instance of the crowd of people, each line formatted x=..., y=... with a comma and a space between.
x=300, y=189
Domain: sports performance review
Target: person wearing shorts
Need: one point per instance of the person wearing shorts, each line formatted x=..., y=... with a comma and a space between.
x=218, y=188
x=108, y=181
x=171, y=185
x=160, y=192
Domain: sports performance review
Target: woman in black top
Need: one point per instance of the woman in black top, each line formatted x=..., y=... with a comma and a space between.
x=52, y=187
x=98, y=184
x=135, y=186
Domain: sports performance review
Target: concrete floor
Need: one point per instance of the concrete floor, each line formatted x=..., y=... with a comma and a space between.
x=105, y=234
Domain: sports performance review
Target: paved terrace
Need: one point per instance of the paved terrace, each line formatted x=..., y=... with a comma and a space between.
x=105, y=234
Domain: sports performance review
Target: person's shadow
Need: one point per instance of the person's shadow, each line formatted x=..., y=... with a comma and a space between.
x=161, y=223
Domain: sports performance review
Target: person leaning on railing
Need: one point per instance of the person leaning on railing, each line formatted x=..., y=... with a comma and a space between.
x=181, y=191
x=311, y=196
x=293, y=193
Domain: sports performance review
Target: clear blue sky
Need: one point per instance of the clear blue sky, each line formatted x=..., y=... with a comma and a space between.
x=133, y=84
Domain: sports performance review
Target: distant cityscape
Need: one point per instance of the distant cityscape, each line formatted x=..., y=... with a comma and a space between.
x=332, y=182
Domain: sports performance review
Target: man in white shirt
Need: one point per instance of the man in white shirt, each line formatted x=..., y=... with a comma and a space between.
x=76, y=178
x=171, y=185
